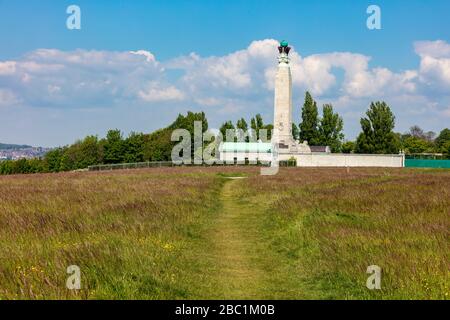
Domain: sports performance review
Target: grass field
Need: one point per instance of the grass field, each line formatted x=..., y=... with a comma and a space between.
x=194, y=233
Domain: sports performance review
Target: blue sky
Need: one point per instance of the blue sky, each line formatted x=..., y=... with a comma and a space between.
x=406, y=62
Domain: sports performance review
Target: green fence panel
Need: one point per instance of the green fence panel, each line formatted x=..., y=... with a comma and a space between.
x=422, y=163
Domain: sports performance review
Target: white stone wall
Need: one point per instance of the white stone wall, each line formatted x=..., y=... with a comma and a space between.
x=347, y=160
x=251, y=156
x=323, y=160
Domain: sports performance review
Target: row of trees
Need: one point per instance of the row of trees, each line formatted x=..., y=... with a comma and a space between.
x=377, y=132
x=377, y=136
x=245, y=133
x=326, y=130
x=417, y=141
x=114, y=148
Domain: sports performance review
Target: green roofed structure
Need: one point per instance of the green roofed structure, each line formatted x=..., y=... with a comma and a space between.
x=261, y=147
x=246, y=152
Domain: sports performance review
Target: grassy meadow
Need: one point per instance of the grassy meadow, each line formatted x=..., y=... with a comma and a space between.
x=194, y=233
x=329, y=225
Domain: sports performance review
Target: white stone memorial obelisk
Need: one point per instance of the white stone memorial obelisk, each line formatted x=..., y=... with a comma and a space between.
x=282, y=122
x=282, y=134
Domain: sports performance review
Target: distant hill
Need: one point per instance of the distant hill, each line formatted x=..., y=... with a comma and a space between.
x=5, y=146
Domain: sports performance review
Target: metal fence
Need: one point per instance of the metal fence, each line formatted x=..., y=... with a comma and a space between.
x=156, y=164
x=411, y=163
x=428, y=156
x=136, y=165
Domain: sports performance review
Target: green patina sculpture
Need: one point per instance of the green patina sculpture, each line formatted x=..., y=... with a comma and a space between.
x=284, y=43
x=283, y=49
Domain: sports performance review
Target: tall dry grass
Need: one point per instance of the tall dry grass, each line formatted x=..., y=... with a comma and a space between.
x=146, y=234
x=130, y=232
x=329, y=225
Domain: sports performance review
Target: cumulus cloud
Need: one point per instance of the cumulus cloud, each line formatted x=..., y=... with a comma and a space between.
x=157, y=93
x=435, y=49
x=80, y=78
x=251, y=72
x=434, y=64
x=239, y=83
x=239, y=73
x=7, y=68
x=149, y=57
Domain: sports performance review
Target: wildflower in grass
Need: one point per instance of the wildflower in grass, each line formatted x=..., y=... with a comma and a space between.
x=168, y=246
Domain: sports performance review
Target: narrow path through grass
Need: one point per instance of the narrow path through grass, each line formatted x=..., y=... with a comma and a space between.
x=248, y=266
x=239, y=277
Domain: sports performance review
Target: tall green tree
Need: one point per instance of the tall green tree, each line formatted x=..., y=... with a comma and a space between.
x=413, y=144
x=309, y=125
x=295, y=131
x=348, y=147
x=70, y=157
x=87, y=152
x=228, y=125
x=330, y=129
x=158, y=146
x=269, y=130
x=114, y=148
x=443, y=141
x=134, y=147
x=377, y=134
x=256, y=124
x=52, y=159
x=188, y=121
x=242, y=125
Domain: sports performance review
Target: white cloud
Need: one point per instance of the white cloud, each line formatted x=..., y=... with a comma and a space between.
x=100, y=77
x=80, y=78
x=233, y=85
x=250, y=72
x=240, y=73
x=211, y=101
x=436, y=49
x=149, y=57
x=157, y=93
x=434, y=71
x=7, y=68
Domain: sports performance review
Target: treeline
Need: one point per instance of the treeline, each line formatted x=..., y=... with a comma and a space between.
x=377, y=136
x=326, y=130
x=417, y=141
x=114, y=148
x=252, y=133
